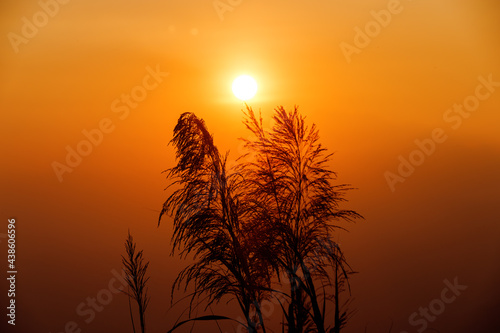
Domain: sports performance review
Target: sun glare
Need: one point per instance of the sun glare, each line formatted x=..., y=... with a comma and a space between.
x=244, y=87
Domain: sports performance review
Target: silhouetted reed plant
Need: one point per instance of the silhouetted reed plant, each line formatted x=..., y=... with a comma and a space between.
x=135, y=268
x=273, y=215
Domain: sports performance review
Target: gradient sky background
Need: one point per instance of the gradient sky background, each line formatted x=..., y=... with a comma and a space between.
x=441, y=223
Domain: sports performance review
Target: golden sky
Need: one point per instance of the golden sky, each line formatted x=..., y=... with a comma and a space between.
x=66, y=70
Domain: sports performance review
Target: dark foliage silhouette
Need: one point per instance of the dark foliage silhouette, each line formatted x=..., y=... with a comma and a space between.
x=209, y=223
x=136, y=268
x=292, y=196
x=272, y=216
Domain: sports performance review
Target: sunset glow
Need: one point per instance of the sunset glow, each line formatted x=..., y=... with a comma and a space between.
x=302, y=134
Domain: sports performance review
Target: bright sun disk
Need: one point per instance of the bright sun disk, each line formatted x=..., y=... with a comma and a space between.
x=244, y=87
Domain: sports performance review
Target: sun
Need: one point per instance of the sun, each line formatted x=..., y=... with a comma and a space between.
x=244, y=87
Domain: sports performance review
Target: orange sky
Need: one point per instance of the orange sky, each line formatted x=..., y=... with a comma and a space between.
x=370, y=107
